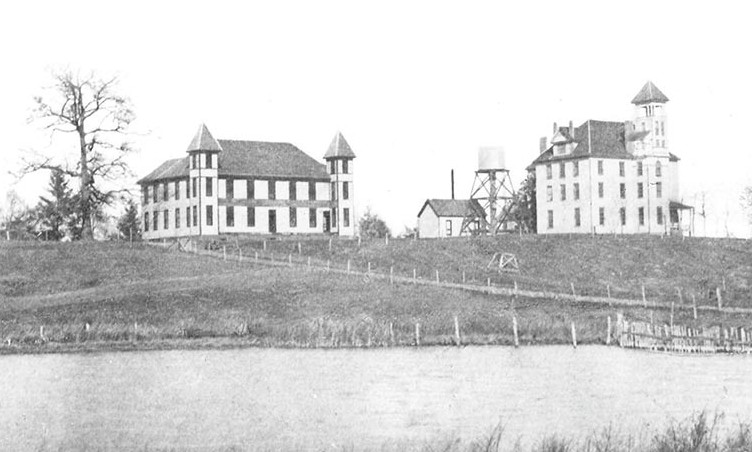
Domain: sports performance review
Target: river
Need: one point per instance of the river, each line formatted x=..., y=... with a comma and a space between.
x=330, y=399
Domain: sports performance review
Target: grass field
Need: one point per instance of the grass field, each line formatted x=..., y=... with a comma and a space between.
x=79, y=296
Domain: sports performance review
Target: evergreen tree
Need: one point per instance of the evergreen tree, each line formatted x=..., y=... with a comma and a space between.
x=129, y=222
x=524, y=210
x=56, y=212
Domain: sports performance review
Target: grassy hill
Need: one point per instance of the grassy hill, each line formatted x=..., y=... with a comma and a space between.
x=78, y=296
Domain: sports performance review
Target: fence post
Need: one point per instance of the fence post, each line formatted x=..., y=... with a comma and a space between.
x=489, y=281
x=358, y=241
x=391, y=332
x=240, y=255
x=417, y=334
x=574, y=336
x=330, y=244
x=300, y=249
x=391, y=275
x=644, y=300
x=328, y=265
x=255, y=256
x=574, y=294
x=289, y=259
x=608, y=332
x=224, y=252
x=720, y=299
x=463, y=276
x=457, y=331
x=264, y=245
x=386, y=240
x=514, y=330
x=608, y=291
x=348, y=266
x=41, y=332
x=437, y=277
x=415, y=276
x=309, y=261
x=515, y=288
x=369, y=267
x=671, y=321
x=681, y=299
x=694, y=306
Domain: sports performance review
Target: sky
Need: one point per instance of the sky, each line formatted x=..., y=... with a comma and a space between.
x=416, y=87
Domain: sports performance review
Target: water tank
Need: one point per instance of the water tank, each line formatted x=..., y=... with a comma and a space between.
x=491, y=158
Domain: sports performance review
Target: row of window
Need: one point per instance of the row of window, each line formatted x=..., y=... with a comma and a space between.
x=191, y=191
x=576, y=169
x=622, y=191
x=230, y=217
x=333, y=166
x=195, y=161
x=602, y=216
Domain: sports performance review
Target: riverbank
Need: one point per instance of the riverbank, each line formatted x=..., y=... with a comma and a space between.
x=110, y=296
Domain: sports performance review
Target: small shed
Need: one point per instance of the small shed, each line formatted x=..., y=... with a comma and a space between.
x=444, y=217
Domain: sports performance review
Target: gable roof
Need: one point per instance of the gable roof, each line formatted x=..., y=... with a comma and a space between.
x=454, y=207
x=339, y=148
x=250, y=159
x=203, y=141
x=593, y=138
x=649, y=93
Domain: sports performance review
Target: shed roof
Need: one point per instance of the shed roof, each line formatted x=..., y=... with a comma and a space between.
x=454, y=207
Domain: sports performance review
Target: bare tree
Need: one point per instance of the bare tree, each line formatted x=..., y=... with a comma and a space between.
x=88, y=109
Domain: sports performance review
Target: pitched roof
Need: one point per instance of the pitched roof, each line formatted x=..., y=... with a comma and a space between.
x=454, y=207
x=593, y=139
x=339, y=148
x=203, y=141
x=250, y=159
x=649, y=93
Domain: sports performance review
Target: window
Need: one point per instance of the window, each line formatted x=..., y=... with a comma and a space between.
x=195, y=216
x=621, y=169
x=577, y=216
x=188, y=217
x=549, y=194
x=311, y=218
x=658, y=169
x=659, y=214
x=333, y=191
x=166, y=191
x=272, y=189
x=600, y=189
x=562, y=170
x=639, y=190
x=332, y=166
x=177, y=218
x=146, y=221
x=230, y=216
x=601, y=216
x=334, y=218
x=195, y=187
x=563, y=190
x=146, y=194
x=208, y=160
x=155, y=221
x=293, y=217
x=293, y=190
x=154, y=192
x=345, y=165
x=345, y=190
x=251, y=217
x=622, y=190
x=209, y=186
x=193, y=161
x=623, y=216
x=639, y=168
x=548, y=171
x=346, y=217
x=167, y=219
x=658, y=189
x=448, y=228
x=641, y=215
x=600, y=167
x=250, y=189
x=209, y=215
x=187, y=189
x=576, y=191
x=312, y=190
x=550, y=219
x=663, y=131
x=657, y=129
x=575, y=169
x=177, y=190
x=229, y=189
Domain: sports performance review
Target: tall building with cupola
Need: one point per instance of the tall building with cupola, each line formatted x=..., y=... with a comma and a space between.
x=249, y=187
x=612, y=177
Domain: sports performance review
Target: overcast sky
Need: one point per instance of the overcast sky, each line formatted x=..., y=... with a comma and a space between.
x=415, y=87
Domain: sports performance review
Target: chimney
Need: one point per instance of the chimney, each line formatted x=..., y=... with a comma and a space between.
x=543, y=144
x=555, y=129
x=452, y=184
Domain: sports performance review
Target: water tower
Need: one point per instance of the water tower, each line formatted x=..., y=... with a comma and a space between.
x=493, y=190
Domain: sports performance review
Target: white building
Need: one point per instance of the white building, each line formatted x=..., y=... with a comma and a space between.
x=444, y=217
x=253, y=187
x=611, y=177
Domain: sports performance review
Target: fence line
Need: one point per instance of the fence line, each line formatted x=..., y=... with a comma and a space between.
x=490, y=289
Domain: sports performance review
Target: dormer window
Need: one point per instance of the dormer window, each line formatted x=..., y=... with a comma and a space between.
x=561, y=149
